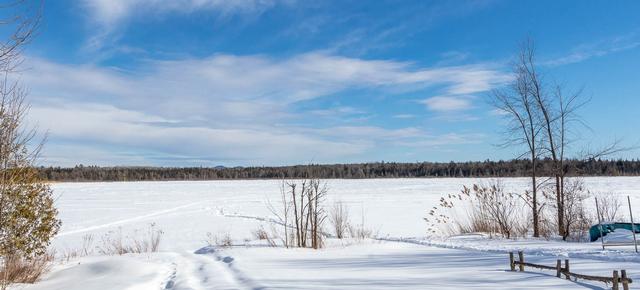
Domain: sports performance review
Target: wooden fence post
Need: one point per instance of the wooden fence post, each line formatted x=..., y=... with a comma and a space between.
x=521, y=259
x=625, y=282
x=566, y=269
x=558, y=268
x=615, y=280
x=512, y=263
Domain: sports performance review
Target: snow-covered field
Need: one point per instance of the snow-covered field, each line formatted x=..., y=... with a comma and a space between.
x=189, y=213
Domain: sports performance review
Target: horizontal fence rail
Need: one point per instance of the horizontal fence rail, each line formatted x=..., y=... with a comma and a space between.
x=615, y=279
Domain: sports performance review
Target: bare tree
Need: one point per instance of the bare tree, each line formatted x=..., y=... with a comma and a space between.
x=306, y=198
x=543, y=118
x=518, y=104
x=557, y=113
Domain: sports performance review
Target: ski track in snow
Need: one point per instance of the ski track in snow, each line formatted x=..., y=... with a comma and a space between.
x=129, y=220
x=225, y=264
x=201, y=271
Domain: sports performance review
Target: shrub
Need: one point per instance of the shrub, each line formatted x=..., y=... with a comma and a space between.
x=577, y=219
x=28, y=217
x=339, y=218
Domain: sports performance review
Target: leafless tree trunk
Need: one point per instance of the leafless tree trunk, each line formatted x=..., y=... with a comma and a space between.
x=518, y=104
x=306, y=197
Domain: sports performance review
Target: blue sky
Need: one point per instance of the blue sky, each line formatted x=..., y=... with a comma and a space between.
x=268, y=82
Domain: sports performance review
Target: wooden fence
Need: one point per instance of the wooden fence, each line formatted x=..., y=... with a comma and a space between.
x=615, y=279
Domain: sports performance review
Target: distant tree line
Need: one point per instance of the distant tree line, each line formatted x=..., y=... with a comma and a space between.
x=512, y=168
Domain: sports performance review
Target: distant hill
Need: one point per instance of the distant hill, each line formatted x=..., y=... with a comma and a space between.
x=511, y=168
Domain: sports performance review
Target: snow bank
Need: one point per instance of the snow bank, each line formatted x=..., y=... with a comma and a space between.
x=109, y=272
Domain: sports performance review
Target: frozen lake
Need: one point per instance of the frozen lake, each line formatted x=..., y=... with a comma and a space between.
x=187, y=210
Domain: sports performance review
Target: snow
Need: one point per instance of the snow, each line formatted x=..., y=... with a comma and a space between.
x=619, y=236
x=114, y=272
x=383, y=266
x=190, y=213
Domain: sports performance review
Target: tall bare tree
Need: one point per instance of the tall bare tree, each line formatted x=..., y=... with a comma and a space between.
x=543, y=117
x=517, y=102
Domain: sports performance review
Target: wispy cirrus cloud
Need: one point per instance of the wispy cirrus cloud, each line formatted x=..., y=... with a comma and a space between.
x=114, y=12
x=232, y=86
x=599, y=48
x=106, y=17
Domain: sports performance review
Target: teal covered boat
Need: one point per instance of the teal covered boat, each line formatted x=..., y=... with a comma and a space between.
x=595, y=232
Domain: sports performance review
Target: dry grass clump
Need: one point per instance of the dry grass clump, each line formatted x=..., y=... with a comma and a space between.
x=480, y=209
x=86, y=249
x=16, y=269
x=114, y=243
x=222, y=240
x=360, y=232
x=491, y=209
x=339, y=219
x=260, y=234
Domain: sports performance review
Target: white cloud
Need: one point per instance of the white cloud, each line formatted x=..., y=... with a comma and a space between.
x=105, y=135
x=229, y=107
x=112, y=127
x=232, y=87
x=448, y=103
